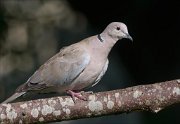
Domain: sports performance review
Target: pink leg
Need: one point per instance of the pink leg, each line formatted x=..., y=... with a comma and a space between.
x=74, y=94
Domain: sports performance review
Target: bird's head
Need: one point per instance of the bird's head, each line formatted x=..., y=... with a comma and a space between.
x=117, y=31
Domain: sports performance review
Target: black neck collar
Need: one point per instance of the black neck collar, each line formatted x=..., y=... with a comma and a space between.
x=99, y=37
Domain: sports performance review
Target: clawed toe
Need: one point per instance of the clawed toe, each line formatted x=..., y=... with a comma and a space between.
x=77, y=95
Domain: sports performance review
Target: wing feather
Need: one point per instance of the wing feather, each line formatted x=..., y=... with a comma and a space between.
x=60, y=70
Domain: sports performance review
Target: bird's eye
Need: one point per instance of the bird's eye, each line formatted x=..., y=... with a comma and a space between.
x=118, y=28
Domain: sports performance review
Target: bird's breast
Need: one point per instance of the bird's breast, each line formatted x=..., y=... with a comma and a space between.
x=89, y=74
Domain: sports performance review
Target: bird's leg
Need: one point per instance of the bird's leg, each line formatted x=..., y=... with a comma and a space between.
x=76, y=94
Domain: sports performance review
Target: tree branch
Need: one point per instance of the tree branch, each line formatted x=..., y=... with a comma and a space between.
x=152, y=97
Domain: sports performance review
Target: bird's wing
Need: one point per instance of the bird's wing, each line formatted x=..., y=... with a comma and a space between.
x=60, y=70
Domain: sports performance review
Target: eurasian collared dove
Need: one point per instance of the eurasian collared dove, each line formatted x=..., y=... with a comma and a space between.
x=75, y=67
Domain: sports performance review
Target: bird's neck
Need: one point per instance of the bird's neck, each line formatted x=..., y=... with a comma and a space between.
x=107, y=41
x=102, y=45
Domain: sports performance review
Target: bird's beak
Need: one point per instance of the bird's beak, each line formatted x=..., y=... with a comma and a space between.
x=129, y=37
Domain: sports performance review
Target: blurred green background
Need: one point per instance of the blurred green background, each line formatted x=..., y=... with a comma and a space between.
x=32, y=31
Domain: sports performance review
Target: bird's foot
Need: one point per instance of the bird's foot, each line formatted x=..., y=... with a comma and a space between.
x=77, y=95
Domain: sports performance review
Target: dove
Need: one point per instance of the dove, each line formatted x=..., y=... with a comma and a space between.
x=75, y=67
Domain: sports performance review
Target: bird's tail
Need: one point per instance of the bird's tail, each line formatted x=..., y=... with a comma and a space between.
x=13, y=97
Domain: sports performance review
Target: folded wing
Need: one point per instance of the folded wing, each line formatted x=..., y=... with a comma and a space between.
x=60, y=70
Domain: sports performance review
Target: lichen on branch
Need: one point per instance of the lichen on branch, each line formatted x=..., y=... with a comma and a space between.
x=152, y=97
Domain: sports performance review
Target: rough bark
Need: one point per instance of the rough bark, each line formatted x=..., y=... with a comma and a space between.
x=152, y=97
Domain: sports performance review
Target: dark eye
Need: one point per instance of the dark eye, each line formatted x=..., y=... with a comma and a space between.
x=118, y=28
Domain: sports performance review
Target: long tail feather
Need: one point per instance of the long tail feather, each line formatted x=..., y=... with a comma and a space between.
x=13, y=97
